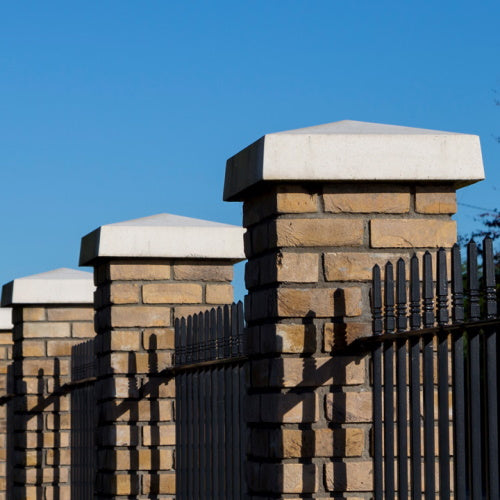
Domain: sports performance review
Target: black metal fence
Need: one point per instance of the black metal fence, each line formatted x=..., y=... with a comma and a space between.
x=210, y=354
x=435, y=370
x=83, y=421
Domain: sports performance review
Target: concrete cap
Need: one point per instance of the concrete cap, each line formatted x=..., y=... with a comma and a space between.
x=6, y=318
x=164, y=235
x=61, y=286
x=353, y=151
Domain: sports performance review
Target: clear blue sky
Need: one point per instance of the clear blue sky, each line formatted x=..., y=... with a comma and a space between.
x=116, y=110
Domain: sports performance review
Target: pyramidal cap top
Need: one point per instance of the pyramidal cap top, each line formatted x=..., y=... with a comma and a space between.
x=5, y=318
x=60, y=286
x=164, y=235
x=355, y=151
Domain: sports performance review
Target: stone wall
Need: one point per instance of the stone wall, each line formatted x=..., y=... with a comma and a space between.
x=137, y=301
x=43, y=337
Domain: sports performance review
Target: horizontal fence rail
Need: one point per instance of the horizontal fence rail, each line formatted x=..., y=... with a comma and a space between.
x=435, y=378
x=210, y=354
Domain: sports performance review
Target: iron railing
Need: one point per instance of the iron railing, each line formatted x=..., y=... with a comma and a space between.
x=447, y=344
x=210, y=355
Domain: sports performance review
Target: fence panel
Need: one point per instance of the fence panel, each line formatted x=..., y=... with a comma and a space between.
x=210, y=356
x=452, y=378
x=83, y=421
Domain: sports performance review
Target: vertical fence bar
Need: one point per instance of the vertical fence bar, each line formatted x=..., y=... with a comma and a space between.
x=235, y=331
x=390, y=324
x=443, y=386
x=428, y=341
x=229, y=400
x=215, y=397
x=195, y=377
x=376, y=297
x=190, y=470
x=475, y=373
x=491, y=369
x=402, y=422
x=220, y=406
x=242, y=428
x=415, y=434
x=201, y=407
x=459, y=416
x=208, y=409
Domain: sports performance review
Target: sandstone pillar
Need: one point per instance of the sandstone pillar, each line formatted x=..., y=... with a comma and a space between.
x=322, y=205
x=5, y=361
x=148, y=272
x=51, y=312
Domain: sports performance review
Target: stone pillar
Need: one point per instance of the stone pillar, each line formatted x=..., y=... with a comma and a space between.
x=5, y=361
x=322, y=205
x=51, y=312
x=148, y=272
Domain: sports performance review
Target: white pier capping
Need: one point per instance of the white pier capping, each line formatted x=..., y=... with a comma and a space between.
x=164, y=236
x=352, y=151
x=60, y=286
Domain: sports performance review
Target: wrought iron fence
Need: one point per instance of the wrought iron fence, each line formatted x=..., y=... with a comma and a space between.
x=83, y=421
x=210, y=355
x=447, y=344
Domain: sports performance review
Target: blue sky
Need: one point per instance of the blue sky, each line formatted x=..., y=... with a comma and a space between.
x=116, y=110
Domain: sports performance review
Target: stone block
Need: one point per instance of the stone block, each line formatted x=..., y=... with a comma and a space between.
x=172, y=293
x=31, y=314
x=317, y=232
x=158, y=338
x=412, y=233
x=366, y=198
x=296, y=267
x=83, y=330
x=305, y=302
x=46, y=329
x=289, y=408
x=125, y=293
x=353, y=301
x=288, y=478
x=33, y=348
x=152, y=270
x=219, y=294
x=162, y=435
x=145, y=316
x=287, y=338
x=193, y=271
x=349, y=407
x=435, y=200
x=61, y=347
x=163, y=484
x=70, y=313
x=340, y=335
x=349, y=476
x=354, y=266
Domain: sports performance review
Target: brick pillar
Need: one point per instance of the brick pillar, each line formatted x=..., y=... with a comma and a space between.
x=51, y=312
x=321, y=207
x=149, y=272
x=5, y=361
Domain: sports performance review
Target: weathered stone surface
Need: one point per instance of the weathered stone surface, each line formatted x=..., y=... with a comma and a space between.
x=354, y=266
x=70, y=313
x=349, y=407
x=412, y=233
x=172, y=293
x=130, y=316
x=339, y=335
x=286, y=338
x=367, y=198
x=295, y=199
x=309, y=302
x=203, y=272
x=296, y=267
x=158, y=483
x=288, y=478
x=289, y=408
x=435, y=200
x=46, y=329
x=152, y=270
x=125, y=293
x=219, y=294
x=314, y=372
x=349, y=476
x=82, y=330
x=353, y=297
x=318, y=232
